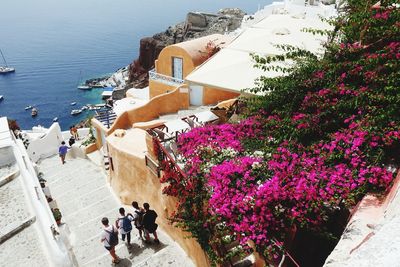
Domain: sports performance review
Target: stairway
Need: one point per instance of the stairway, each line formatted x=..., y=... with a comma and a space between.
x=84, y=197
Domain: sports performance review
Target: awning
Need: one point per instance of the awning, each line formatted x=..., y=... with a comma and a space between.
x=233, y=69
x=128, y=103
x=229, y=69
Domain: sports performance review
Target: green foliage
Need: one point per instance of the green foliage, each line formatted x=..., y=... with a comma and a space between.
x=327, y=128
x=90, y=139
x=57, y=214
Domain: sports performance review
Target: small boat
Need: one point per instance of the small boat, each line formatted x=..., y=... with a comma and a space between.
x=81, y=86
x=94, y=108
x=5, y=69
x=55, y=119
x=73, y=103
x=84, y=108
x=34, y=112
x=28, y=107
x=1, y=97
x=76, y=112
x=84, y=87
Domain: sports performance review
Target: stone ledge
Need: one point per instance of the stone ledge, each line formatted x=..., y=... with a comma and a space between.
x=8, y=178
x=13, y=229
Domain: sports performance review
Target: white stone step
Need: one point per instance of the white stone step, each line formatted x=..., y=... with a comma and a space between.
x=82, y=201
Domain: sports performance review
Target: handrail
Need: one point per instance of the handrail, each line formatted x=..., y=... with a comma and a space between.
x=153, y=75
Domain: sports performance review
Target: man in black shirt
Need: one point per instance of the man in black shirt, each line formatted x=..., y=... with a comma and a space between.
x=149, y=223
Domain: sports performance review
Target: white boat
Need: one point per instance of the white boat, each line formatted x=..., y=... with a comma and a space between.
x=5, y=69
x=84, y=108
x=34, y=112
x=81, y=86
x=1, y=97
x=84, y=87
x=28, y=107
x=55, y=119
x=73, y=103
x=76, y=112
x=94, y=108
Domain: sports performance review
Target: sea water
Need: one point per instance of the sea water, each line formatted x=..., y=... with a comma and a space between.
x=51, y=42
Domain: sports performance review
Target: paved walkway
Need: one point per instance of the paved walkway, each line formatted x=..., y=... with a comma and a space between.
x=84, y=197
x=17, y=224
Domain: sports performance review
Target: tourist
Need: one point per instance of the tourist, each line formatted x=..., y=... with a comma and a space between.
x=149, y=223
x=124, y=224
x=71, y=131
x=75, y=132
x=71, y=141
x=138, y=218
x=62, y=151
x=109, y=238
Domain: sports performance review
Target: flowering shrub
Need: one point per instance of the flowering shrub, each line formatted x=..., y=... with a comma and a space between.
x=293, y=163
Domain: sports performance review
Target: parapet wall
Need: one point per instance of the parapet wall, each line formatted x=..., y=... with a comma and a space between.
x=371, y=237
x=163, y=104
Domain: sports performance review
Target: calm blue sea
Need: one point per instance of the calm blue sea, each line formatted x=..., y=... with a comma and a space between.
x=50, y=42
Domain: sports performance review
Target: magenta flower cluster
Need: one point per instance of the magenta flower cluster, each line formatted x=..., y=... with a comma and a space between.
x=261, y=177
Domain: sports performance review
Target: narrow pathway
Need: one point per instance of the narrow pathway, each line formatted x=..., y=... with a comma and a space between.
x=84, y=197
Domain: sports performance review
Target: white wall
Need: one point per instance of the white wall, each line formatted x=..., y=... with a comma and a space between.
x=47, y=145
x=6, y=156
x=54, y=246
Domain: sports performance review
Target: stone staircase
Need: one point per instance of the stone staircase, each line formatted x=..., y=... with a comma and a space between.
x=83, y=196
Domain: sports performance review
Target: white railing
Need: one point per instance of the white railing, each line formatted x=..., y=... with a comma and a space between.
x=168, y=80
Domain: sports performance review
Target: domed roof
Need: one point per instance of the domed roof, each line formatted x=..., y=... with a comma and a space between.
x=197, y=48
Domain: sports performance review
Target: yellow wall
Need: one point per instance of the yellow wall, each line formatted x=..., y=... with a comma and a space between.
x=212, y=96
x=132, y=180
x=163, y=65
x=164, y=62
x=158, y=88
x=163, y=104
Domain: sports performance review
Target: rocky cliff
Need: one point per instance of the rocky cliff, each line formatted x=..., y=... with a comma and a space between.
x=196, y=25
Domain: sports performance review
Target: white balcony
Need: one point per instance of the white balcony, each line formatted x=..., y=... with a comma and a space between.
x=161, y=78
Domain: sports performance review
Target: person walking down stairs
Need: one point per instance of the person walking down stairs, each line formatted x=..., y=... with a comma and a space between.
x=109, y=238
x=62, y=151
x=124, y=224
x=149, y=223
x=138, y=218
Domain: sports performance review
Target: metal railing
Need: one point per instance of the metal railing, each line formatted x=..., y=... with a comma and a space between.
x=153, y=166
x=168, y=80
x=106, y=117
x=164, y=155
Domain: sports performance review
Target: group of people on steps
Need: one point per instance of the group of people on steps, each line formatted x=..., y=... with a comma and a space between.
x=144, y=219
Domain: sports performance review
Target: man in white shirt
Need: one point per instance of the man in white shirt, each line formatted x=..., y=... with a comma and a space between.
x=109, y=238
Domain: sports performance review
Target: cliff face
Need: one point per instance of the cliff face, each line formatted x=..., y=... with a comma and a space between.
x=196, y=25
